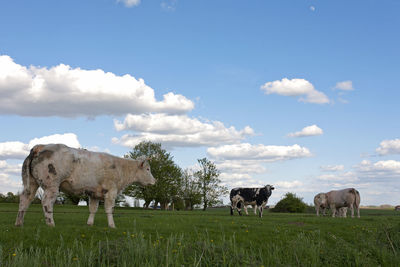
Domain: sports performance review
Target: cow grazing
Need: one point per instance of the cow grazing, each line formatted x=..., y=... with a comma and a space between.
x=57, y=167
x=337, y=199
x=250, y=196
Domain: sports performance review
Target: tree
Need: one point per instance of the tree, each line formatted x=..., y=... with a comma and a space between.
x=209, y=182
x=290, y=203
x=165, y=171
x=191, y=193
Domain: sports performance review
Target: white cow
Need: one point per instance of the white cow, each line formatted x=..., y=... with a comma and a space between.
x=336, y=199
x=320, y=202
x=57, y=167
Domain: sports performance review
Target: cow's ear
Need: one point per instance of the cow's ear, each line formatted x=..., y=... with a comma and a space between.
x=272, y=188
x=142, y=163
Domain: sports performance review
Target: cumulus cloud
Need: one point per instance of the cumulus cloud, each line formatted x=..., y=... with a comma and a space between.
x=345, y=86
x=236, y=173
x=332, y=168
x=70, y=92
x=380, y=169
x=312, y=8
x=240, y=167
x=19, y=150
x=246, y=151
x=177, y=131
x=13, y=150
x=342, y=177
x=14, y=169
x=307, y=131
x=129, y=3
x=8, y=185
x=387, y=147
x=296, y=87
x=285, y=185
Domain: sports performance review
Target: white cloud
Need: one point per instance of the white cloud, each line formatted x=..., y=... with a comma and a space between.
x=13, y=150
x=332, y=168
x=177, y=131
x=8, y=185
x=70, y=92
x=389, y=147
x=307, y=131
x=19, y=150
x=169, y=5
x=240, y=167
x=342, y=177
x=380, y=169
x=14, y=169
x=287, y=184
x=296, y=87
x=246, y=151
x=312, y=8
x=129, y=3
x=345, y=85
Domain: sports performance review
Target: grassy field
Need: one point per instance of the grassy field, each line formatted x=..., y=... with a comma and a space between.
x=184, y=238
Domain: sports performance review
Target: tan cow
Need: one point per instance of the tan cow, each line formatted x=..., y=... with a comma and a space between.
x=337, y=199
x=57, y=167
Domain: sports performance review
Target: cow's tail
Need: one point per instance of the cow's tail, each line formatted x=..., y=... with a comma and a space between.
x=27, y=168
x=357, y=197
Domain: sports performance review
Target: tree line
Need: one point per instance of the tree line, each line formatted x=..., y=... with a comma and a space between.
x=182, y=189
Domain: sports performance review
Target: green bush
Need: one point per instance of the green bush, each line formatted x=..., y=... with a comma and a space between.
x=290, y=203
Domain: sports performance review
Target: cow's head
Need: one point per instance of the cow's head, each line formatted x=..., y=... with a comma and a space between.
x=144, y=176
x=269, y=187
x=321, y=200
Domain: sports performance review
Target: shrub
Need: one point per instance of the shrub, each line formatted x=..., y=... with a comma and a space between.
x=290, y=203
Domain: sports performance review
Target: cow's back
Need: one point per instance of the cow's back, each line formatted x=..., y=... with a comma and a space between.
x=342, y=197
x=75, y=169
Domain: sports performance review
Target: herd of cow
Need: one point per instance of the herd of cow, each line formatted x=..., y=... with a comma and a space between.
x=56, y=167
x=338, y=201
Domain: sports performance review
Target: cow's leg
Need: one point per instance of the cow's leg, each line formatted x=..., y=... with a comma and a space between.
x=260, y=209
x=317, y=209
x=49, y=197
x=245, y=209
x=352, y=210
x=238, y=206
x=93, y=205
x=333, y=208
x=25, y=200
x=109, y=202
x=232, y=206
x=255, y=209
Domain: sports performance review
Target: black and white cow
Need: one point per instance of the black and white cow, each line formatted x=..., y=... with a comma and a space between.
x=257, y=197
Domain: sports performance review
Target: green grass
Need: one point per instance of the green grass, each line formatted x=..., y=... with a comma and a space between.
x=197, y=238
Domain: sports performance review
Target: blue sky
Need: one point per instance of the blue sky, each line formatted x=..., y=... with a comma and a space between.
x=299, y=94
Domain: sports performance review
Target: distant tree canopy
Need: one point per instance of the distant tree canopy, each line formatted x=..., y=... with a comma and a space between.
x=9, y=198
x=168, y=175
x=209, y=183
x=191, y=193
x=290, y=203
